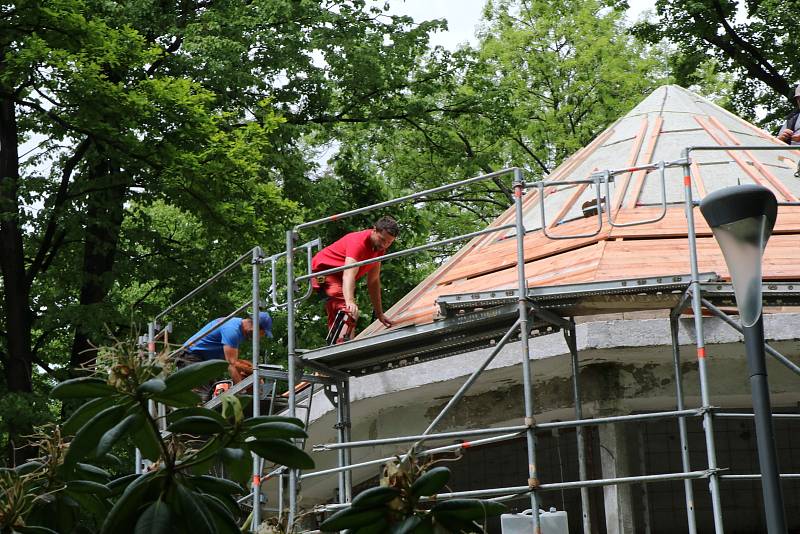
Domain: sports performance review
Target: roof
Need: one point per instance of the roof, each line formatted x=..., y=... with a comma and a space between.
x=659, y=128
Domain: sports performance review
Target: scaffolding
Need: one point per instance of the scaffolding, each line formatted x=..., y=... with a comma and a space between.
x=492, y=319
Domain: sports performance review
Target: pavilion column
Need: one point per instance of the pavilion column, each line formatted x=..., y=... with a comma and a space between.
x=615, y=462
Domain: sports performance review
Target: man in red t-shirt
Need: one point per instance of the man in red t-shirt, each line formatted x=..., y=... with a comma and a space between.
x=339, y=289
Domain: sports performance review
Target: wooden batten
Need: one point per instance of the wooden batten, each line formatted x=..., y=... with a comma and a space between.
x=658, y=129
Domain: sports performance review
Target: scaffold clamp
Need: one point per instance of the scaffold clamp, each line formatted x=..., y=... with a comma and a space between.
x=530, y=422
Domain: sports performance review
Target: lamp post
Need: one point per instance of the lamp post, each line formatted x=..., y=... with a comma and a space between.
x=742, y=218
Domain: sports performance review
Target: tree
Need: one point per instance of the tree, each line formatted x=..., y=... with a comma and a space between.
x=137, y=109
x=546, y=78
x=751, y=40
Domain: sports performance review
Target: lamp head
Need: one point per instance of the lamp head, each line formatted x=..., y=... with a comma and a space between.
x=742, y=218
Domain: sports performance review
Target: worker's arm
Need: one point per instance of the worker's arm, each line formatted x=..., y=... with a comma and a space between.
x=232, y=356
x=349, y=287
x=374, y=288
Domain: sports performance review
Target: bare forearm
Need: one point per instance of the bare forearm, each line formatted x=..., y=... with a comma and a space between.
x=232, y=356
x=374, y=288
x=349, y=286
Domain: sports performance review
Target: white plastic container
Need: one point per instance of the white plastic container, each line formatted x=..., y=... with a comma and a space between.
x=552, y=522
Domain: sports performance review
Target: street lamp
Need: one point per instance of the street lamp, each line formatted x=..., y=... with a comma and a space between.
x=742, y=218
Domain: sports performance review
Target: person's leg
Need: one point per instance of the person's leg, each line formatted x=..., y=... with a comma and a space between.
x=335, y=302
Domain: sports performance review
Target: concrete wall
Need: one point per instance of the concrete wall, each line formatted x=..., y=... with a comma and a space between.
x=626, y=366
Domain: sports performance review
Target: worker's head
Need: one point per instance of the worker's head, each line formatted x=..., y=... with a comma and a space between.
x=384, y=232
x=797, y=95
x=264, y=325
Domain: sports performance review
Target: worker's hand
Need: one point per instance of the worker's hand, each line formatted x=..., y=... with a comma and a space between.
x=352, y=309
x=796, y=136
x=786, y=135
x=385, y=320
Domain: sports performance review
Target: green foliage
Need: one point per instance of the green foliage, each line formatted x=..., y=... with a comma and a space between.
x=747, y=44
x=396, y=505
x=66, y=489
x=169, y=138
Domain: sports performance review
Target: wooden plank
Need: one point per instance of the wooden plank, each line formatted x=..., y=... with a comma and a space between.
x=760, y=180
x=502, y=254
x=776, y=183
x=698, y=179
x=632, y=159
x=639, y=180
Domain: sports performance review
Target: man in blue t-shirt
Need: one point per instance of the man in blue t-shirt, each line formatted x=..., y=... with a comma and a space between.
x=222, y=343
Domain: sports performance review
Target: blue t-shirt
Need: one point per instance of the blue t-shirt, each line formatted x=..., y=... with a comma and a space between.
x=211, y=346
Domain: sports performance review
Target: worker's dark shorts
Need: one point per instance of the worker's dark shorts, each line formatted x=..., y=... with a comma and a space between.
x=184, y=357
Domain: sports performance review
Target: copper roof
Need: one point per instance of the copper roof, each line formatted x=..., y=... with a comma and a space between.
x=657, y=129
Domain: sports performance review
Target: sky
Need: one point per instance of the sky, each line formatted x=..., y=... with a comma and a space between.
x=463, y=17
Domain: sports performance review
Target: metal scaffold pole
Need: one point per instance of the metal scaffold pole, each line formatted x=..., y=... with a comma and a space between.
x=257, y=255
x=708, y=420
x=290, y=346
x=530, y=434
x=687, y=484
x=569, y=336
x=348, y=474
x=340, y=454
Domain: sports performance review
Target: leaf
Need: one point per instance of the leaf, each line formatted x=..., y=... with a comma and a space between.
x=279, y=430
x=109, y=460
x=85, y=412
x=92, y=472
x=145, y=439
x=224, y=522
x=156, y=519
x=377, y=496
x=28, y=467
x=180, y=399
x=115, y=434
x=85, y=441
x=122, y=514
x=192, y=512
x=198, y=425
x=232, y=407
x=407, y=526
x=221, y=486
x=467, y=509
x=180, y=413
x=154, y=385
x=425, y=526
x=82, y=387
x=351, y=518
x=237, y=463
x=281, y=452
x=34, y=530
x=88, y=504
x=255, y=421
x=194, y=375
x=431, y=482
x=229, y=502
x=452, y=524
x=380, y=526
x=118, y=485
x=87, y=486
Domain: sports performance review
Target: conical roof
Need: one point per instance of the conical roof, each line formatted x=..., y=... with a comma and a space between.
x=659, y=128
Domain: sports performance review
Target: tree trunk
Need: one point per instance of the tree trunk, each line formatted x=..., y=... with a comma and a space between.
x=104, y=212
x=16, y=292
x=18, y=360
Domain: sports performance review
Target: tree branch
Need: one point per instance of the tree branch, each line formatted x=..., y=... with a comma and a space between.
x=524, y=147
x=45, y=246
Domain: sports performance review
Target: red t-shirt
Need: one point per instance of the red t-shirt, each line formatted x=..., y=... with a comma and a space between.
x=354, y=245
